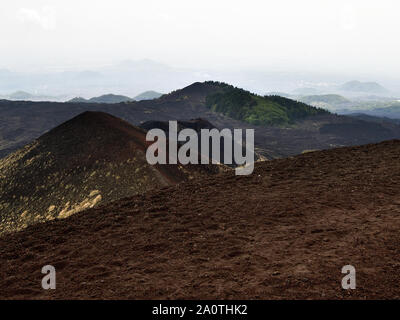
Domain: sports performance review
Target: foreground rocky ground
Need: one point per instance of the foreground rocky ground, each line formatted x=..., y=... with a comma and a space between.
x=283, y=232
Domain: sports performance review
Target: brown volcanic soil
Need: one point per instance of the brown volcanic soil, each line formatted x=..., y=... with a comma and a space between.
x=283, y=232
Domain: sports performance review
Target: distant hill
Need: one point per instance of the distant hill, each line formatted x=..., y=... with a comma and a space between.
x=106, y=98
x=128, y=75
x=330, y=102
x=283, y=127
x=110, y=98
x=90, y=159
x=21, y=95
x=78, y=100
x=148, y=95
x=326, y=98
x=391, y=110
x=26, y=96
x=363, y=87
x=269, y=110
x=352, y=89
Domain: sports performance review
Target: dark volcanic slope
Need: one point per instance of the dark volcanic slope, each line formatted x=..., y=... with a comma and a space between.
x=283, y=232
x=92, y=158
x=21, y=122
x=196, y=125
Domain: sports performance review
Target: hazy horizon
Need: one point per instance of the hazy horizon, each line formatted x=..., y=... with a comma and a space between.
x=307, y=41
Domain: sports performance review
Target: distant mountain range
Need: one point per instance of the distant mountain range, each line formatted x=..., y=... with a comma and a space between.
x=351, y=96
x=148, y=95
x=107, y=98
x=283, y=127
x=22, y=95
x=113, y=98
x=390, y=110
x=363, y=87
x=349, y=89
x=26, y=96
x=331, y=102
x=141, y=75
x=119, y=78
x=324, y=98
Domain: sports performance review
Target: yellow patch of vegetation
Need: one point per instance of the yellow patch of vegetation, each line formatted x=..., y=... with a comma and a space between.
x=93, y=193
x=85, y=204
x=309, y=150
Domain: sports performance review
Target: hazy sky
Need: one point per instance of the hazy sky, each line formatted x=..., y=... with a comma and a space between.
x=307, y=35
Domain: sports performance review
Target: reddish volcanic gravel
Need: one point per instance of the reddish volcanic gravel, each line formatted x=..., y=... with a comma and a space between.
x=283, y=232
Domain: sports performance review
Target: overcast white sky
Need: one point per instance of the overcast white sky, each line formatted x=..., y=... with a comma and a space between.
x=307, y=35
